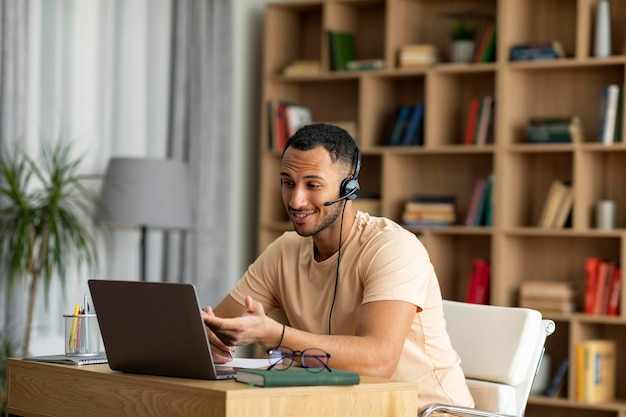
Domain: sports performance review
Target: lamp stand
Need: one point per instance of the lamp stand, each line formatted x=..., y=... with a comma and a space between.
x=144, y=250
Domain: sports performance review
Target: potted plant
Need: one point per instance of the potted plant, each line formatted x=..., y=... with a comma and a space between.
x=463, y=43
x=6, y=351
x=45, y=220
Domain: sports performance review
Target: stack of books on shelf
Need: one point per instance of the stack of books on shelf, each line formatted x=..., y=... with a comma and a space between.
x=486, y=50
x=603, y=283
x=554, y=129
x=610, y=130
x=408, y=125
x=365, y=65
x=479, y=280
x=480, y=116
x=303, y=67
x=429, y=211
x=285, y=119
x=595, y=371
x=548, y=296
x=537, y=51
x=417, y=55
x=557, y=206
x=480, y=209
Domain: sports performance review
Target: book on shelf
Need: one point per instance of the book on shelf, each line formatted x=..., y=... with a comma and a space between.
x=294, y=376
x=414, y=131
x=285, y=119
x=603, y=281
x=548, y=296
x=557, y=205
x=554, y=129
x=417, y=55
x=479, y=280
x=609, y=114
x=595, y=371
x=480, y=115
x=303, y=67
x=429, y=211
x=559, y=380
x=342, y=49
x=480, y=208
x=536, y=51
x=365, y=65
x=485, y=52
x=401, y=120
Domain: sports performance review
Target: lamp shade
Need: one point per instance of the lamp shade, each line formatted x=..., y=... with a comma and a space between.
x=144, y=192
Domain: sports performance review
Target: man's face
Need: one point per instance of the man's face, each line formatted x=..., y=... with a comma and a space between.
x=309, y=179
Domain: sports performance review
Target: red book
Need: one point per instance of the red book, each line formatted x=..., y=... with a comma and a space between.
x=614, y=292
x=472, y=120
x=605, y=275
x=591, y=279
x=478, y=292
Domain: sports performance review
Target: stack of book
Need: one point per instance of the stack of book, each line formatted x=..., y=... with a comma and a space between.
x=557, y=206
x=537, y=51
x=610, y=130
x=284, y=119
x=548, y=296
x=303, y=67
x=479, y=128
x=603, y=283
x=429, y=211
x=365, y=65
x=595, y=371
x=554, y=129
x=480, y=277
x=417, y=55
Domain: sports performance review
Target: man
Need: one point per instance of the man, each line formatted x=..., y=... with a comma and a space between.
x=359, y=287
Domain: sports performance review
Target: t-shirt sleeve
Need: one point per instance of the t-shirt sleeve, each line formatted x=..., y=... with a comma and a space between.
x=399, y=268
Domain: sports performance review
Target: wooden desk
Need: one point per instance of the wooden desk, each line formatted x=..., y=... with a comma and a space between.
x=42, y=389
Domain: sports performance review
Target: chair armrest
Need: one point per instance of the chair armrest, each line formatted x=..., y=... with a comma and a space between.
x=457, y=411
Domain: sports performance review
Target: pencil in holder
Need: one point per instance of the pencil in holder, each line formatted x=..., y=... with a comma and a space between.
x=82, y=335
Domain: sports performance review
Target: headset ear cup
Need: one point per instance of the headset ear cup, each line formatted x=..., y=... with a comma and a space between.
x=350, y=188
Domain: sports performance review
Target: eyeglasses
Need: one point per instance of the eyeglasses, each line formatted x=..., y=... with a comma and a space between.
x=313, y=360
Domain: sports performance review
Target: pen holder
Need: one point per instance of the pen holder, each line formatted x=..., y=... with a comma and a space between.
x=82, y=335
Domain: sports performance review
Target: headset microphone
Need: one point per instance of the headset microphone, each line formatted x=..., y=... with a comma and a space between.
x=345, y=197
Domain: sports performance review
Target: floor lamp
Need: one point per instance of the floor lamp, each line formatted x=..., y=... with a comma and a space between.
x=145, y=193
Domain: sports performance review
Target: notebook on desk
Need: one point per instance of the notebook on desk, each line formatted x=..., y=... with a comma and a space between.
x=154, y=328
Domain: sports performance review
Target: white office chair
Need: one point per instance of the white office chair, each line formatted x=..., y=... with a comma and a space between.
x=501, y=349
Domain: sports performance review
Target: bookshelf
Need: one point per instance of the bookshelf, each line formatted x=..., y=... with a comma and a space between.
x=517, y=248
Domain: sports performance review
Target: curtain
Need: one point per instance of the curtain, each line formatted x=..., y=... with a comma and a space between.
x=200, y=133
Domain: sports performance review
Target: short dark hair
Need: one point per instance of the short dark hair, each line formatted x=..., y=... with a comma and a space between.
x=339, y=144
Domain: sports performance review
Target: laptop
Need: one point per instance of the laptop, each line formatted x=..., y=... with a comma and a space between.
x=154, y=328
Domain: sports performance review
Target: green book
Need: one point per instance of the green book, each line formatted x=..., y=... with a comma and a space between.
x=293, y=377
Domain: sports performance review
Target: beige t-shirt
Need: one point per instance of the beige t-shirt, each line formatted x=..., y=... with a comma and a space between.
x=379, y=261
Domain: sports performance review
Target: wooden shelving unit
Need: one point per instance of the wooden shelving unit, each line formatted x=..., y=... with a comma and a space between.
x=517, y=248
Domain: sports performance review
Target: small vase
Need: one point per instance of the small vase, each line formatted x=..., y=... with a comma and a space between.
x=602, y=44
x=462, y=51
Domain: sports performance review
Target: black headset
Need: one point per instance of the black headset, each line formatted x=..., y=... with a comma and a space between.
x=349, y=188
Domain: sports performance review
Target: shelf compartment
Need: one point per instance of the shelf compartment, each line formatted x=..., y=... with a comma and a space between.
x=365, y=20
x=535, y=91
x=553, y=258
x=381, y=95
x=433, y=26
x=534, y=21
x=600, y=176
x=528, y=177
x=293, y=31
x=454, y=276
x=427, y=174
x=448, y=96
x=329, y=99
x=272, y=209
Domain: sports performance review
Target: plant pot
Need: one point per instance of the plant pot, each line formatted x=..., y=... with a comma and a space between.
x=462, y=51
